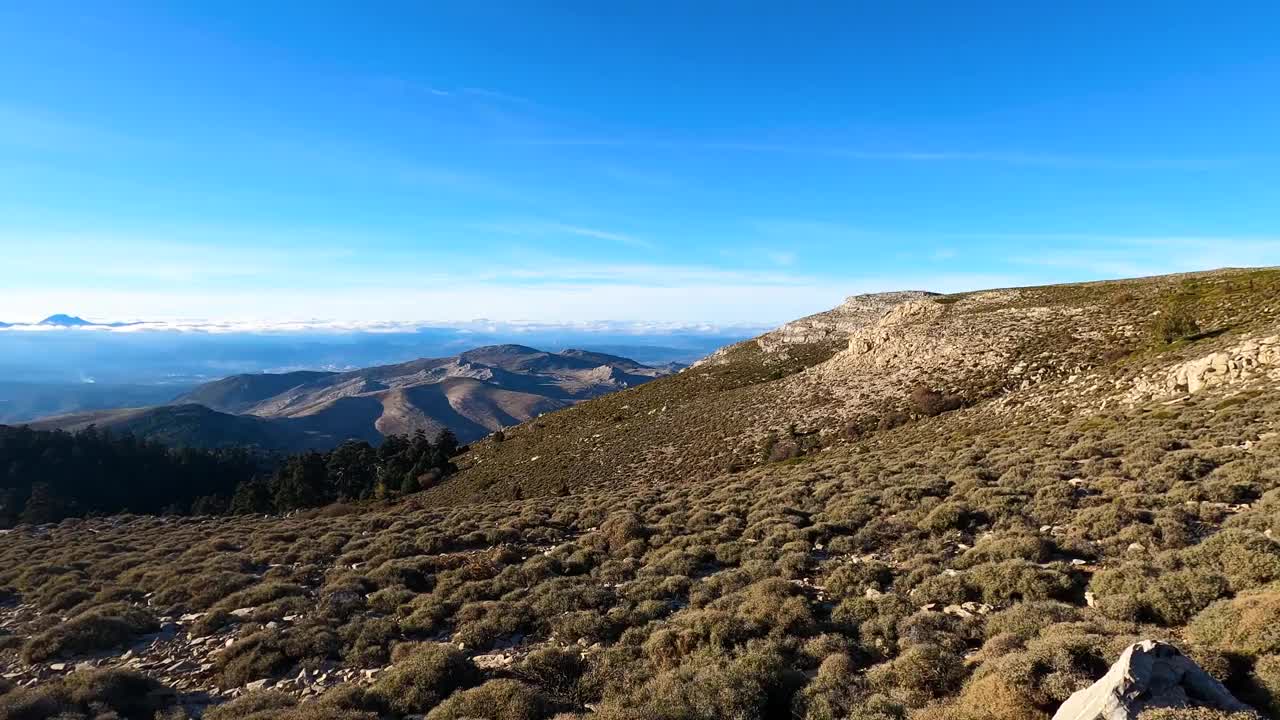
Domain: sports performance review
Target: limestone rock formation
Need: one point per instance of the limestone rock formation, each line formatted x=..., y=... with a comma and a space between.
x=1149, y=674
x=839, y=323
x=1249, y=359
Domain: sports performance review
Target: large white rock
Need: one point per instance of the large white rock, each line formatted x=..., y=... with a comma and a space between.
x=1149, y=674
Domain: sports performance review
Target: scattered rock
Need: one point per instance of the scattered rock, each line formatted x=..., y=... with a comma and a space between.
x=1149, y=674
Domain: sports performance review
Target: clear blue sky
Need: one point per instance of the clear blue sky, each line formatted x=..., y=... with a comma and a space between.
x=725, y=162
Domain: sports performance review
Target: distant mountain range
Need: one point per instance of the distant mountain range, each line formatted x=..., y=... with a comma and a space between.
x=472, y=394
x=63, y=320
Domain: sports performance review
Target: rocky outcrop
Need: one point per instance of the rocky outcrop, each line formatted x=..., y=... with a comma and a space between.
x=837, y=324
x=1247, y=360
x=1149, y=674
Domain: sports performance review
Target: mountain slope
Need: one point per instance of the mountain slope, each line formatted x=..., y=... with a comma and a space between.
x=1111, y=474
x=238, y=393
x=818, y=381
x=472, y=394
x=191, y=425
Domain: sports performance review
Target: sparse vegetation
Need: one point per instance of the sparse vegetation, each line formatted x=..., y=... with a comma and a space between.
x=979, y=563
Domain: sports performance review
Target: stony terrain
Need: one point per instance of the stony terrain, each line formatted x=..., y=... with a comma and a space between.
x=947, y=507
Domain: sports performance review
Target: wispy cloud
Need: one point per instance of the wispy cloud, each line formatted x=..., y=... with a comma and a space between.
x=543, y=228
x=1134, y=255
x=992, y=156
x=619, y=238
x=497, y=95
x=39, y=129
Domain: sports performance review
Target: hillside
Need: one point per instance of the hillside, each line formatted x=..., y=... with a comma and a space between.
x=816, y=380
x=191, y=425
x=984, y=499
x=472, y=394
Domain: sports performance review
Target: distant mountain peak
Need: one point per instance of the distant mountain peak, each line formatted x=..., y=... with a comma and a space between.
x=63, y=320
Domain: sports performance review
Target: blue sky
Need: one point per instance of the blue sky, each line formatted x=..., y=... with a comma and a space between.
x=724, y=162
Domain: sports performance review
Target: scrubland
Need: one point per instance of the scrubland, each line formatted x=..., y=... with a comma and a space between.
x=970, y=551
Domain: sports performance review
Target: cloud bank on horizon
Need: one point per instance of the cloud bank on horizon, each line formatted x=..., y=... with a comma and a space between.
x=440, y=163
x=317, y=326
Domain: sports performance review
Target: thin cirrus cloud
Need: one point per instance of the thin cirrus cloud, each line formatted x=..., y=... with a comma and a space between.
x=905, y=155
x=538, y=228
x=1130, y=256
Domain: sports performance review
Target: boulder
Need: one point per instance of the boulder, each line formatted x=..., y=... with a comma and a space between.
x=1149, y=674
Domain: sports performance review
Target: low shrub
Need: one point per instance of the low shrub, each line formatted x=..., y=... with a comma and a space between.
x=422, y=675
x=921, y=673
x=98, y=628
x=1245, y=625
x=929, y=402
x=94, y=693
x=494, y=700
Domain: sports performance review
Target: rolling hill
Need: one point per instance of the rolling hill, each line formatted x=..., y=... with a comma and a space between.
x=472, y=394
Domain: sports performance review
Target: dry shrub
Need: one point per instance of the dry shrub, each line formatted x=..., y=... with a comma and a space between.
x=267, y=652
x=1025, y=620
x=993, y=697
x=755, y=685
x=422, y=676
x=1247, y=559
x=1033, y=682
x=1174, y=324
x=94, y=693
x=254, y=705
x=852, y=579
x=494, y=700
x=930, y=402
x=1245, y=625
x=833, y=692
x=557, y=673
x=921, y=673
x=98, y=628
